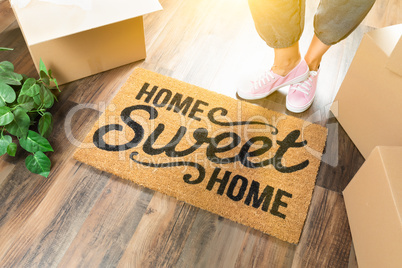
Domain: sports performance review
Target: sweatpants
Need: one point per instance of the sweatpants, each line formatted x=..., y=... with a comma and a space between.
x=280, y=22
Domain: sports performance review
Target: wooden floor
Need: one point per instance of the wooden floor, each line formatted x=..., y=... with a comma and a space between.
x=81, y=217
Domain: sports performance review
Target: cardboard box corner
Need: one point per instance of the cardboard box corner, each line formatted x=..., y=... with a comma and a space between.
x=373, y=205
x=368, y=101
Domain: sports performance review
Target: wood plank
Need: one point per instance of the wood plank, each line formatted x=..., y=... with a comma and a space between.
x=12, y=37
x=155, y=23
x=161, y=234
x=109, y=226
x=180, y=46
x=5, y=168
x=326, y=238
x=261, y=250
x=6, y=15
x=43, y=238
x=345, y=155
x=213, y=242
x=22, y=192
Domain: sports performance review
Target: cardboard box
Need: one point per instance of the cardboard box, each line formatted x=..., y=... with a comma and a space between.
x=373, y=202
x=76, y=42
x=369, y=102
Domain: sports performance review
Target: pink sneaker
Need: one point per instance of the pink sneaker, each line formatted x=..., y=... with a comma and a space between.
x=270, y=82
x=301, y=95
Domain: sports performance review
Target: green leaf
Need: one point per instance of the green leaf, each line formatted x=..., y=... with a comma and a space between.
x=23, y=99
x=35, y=142
x=20, y=124
x=38, y=163
x=7, y=94
x=57, y=84
x=38, y=100
x=6, y=116
x=4, y=142
x=42, y=67
x=6, y=48
x=11, y=78
x=45, y=78
x=50, y=74
x=45, y=96
x=26, y=102
x=30, y=88
x=45, y=125
x=6, y=66
x=12, y=149
x=54, y=80
x=48, y=97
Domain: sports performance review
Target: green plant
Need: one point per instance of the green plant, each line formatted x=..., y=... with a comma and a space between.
x=24, y=102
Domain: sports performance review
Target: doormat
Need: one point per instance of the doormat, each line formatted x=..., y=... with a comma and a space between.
x=243, y=162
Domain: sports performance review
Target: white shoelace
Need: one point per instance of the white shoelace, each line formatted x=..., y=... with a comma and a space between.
x=306, y=85
x=266, y=77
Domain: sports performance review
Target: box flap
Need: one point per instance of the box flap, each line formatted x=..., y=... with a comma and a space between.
x=391, y=157
x=395, y=60
x=387, y=38
x=42, y=21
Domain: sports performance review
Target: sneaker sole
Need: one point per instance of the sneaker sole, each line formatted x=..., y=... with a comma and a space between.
x=256, y=97
x=298, y=110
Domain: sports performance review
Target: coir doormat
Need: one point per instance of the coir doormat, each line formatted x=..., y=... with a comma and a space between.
x=238, y=160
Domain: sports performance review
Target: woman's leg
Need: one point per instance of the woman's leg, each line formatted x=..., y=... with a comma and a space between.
x=333, y=21
x=280, y=24
x=286, y=59
x=315, y=52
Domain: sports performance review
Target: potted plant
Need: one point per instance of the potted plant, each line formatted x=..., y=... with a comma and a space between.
x=24, y=104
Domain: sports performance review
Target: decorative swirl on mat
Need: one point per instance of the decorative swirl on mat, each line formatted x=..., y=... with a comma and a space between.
x=186, y=177
x=224, y=112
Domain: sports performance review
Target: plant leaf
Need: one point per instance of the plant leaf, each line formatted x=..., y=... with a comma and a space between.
x=38, y=163
x=6, y=116
x=4, y=142
x=7, y=94
x=6, y=48
x=35, y=142
x=26, y=102
x=45, y=125
x=40, y=98
x=20, y=124
x=6, y=66
x=50, y=74
x=48, y=97
x=45, y=78
x=11, y=78
x=57, y=84
x=42, y=67
x=30, y=88
x=12, y=149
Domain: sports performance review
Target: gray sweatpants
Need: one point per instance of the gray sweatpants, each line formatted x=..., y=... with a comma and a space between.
x=280, y=22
